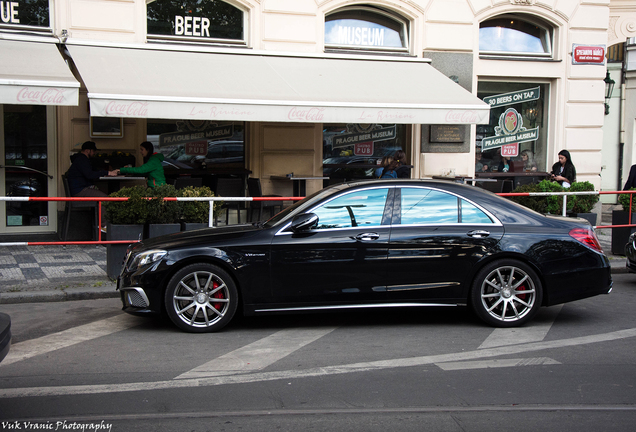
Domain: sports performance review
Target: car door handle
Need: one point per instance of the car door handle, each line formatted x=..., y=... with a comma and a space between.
x=367, y=236
x=478, y=233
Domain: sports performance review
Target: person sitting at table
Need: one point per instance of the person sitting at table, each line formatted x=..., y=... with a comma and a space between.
x=81, y=177
x=152, y=166
x=481, y=164
x=403, y=170
x=563, y=171
x=529, y=163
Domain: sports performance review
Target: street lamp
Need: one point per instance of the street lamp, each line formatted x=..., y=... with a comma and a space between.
x=609, y=88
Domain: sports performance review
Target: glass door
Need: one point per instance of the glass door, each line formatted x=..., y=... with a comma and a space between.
x=27, y=136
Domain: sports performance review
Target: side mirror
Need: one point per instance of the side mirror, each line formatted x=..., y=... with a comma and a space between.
x=304, y=222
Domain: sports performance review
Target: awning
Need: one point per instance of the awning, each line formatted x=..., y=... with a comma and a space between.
x=34, y=73
x=163, y=83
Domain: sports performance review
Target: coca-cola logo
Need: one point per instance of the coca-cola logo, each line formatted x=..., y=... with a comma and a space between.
x=49, y=96
x=306, y=114
x=462, y=117
x=127, y=109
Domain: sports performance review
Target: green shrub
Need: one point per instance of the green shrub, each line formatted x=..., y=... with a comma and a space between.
x=196, y=211
x=133, y=211
x=541, y=204
x=161, y=211
x=623, y=200
x=581, y=203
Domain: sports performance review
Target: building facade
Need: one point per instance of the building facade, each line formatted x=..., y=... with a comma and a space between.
x=321, y=88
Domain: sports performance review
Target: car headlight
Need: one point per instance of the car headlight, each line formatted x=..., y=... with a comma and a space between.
x=147, y=258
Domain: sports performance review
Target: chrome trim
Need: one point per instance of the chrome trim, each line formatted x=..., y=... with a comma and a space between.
x=357, y=306
x=139, y=291
x=422, y=286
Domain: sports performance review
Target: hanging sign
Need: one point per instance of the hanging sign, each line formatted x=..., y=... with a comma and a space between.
x=509, y=131
x=215, y=133
x=374, y=135
x=510, y=150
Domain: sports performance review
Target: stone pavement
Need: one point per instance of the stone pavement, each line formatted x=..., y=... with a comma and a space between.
x=57, y=273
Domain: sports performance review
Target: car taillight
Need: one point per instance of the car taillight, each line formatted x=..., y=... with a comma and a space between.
x=587, y=237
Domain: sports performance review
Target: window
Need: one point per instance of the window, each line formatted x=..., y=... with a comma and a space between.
x=363, y=208
x=195, y=20
x=512, y=35
x=188, y=144
x=421, y=206
x=25, y=14
x=366, y=28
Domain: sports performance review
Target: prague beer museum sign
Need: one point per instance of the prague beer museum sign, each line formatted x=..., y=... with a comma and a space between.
x=24, y=13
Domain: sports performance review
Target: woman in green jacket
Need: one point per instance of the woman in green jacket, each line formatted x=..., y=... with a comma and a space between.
x=152, y=166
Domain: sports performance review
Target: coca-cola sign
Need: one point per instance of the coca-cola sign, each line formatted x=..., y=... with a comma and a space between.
x=127, y=109
x=43, y=96
x=306, y=114
x=461, y=117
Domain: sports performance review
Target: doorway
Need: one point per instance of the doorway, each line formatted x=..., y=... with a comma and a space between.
x=27, y=157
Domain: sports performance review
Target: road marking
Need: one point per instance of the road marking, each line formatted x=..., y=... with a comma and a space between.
x=486, y=364
x=533, y=332
x=314, y=372
x=258, y=355
x=45, y=344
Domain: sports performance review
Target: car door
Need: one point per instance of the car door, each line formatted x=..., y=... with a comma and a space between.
x=436, y=239
x=340, y=260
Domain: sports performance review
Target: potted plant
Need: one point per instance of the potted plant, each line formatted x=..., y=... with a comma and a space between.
x=622, y=217
x=582, y=205
x=195, y=214
x=541, y=204
x=163, y=216
x=126, y=221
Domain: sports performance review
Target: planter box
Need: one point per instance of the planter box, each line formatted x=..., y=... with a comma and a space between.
x=621, y=235
x=115, y=253
x=191, y=226
x=590, y=217
x=156, y=230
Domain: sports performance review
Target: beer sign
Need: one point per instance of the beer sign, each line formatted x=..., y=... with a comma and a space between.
x=30, y=13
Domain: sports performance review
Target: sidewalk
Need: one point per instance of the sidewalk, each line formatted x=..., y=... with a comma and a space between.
x=57, y=273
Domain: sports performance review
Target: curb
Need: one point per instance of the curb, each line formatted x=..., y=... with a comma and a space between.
x=107, y=290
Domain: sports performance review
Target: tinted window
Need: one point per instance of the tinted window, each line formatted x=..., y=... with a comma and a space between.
x=359, y=208
x=471, y=214
x=427, y=206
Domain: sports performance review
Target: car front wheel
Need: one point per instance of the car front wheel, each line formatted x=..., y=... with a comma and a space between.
x=201, y=298
x=506, y=293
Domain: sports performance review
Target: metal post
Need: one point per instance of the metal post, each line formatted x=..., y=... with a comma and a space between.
x=565, y=204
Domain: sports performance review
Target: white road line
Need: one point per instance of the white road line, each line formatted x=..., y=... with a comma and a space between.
x=67, y=338
x=533, y=332
x=485, y=364
x=315, y=372
x=258, y=355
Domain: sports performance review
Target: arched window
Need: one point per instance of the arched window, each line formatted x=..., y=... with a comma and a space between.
x=365, y=28
x=195, y=20
x=514, y=35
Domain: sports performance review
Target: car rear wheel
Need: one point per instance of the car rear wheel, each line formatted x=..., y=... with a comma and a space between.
x=201, y=298
x=506, y=293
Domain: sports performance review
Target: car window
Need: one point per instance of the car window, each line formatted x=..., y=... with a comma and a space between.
x=358, y=208
x=473, y=215
x=427, y=206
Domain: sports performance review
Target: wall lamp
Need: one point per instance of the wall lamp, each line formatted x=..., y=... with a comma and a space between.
x=609, y=88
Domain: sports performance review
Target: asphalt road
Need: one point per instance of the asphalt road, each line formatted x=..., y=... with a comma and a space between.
x=84, y=365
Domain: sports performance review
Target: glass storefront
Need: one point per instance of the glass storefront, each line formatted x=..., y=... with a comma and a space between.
x=518, y=125
x=188, y=145
x=24, y=149
x=353, y=151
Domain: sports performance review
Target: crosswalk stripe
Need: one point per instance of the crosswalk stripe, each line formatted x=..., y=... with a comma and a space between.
x=258, y=355
x=536, y=331
x=45, y=344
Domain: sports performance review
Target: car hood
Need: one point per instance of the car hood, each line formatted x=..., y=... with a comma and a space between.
x=202, y=236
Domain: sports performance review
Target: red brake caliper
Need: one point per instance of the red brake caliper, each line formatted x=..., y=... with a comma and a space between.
x=521, y=296
x=218, y=295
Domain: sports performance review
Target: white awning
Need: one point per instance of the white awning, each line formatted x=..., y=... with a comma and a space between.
x=34, y=73
x=149, y=82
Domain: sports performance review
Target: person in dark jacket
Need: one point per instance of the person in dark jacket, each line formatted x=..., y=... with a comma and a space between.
x=403, y=169
x=631, y=180
x=81, y=176
x=563, y=171
x=152, y=166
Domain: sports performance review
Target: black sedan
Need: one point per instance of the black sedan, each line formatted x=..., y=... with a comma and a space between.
x=5, y=335
x=630, y=253
x=371, y=244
